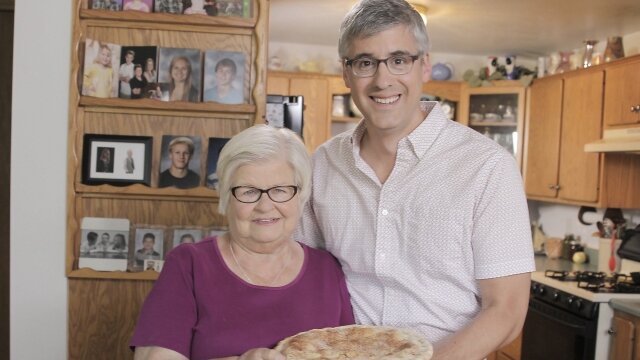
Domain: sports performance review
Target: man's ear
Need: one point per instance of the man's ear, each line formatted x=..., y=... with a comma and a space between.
x=426, y=67
x=345, y=77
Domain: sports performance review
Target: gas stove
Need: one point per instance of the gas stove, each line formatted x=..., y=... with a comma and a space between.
x=573, y=306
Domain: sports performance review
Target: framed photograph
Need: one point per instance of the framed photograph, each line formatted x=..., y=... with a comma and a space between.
x=100, y=75
x=180, y=161
x=224, y=77
x=137, y=72
x=148, y=244
x=217, y=230
x=137, y=5
x=104, y=244
x=155, y=265
x=179, y=75
x=116, y=160
x=200, y=7
x=230, y=7
x=215, y=146
x=169, y=6
x=113, y=5
x=186, y=235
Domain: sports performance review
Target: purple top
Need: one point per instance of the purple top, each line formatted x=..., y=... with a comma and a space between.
x=201, y=309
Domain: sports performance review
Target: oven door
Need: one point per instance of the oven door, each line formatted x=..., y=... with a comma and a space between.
x=553, y=333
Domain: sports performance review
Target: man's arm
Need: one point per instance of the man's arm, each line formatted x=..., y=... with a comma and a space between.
x=504, y=307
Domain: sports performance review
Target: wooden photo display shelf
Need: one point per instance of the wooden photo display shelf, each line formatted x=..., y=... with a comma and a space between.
x=139, y=203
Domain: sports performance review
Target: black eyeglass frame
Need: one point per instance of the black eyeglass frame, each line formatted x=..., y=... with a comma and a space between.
x=349, y=62
x=264, y=191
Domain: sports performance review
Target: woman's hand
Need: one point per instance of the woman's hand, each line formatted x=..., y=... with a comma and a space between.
x=262, y=354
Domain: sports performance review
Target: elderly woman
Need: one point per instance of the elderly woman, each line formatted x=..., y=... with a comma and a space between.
x=235, y=296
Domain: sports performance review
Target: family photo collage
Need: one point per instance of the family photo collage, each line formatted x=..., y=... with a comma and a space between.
x=109, y=244
x=165, y=74
x=239, y=8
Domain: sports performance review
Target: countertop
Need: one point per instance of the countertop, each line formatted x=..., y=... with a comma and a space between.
x=631, y=307
x=544, y=263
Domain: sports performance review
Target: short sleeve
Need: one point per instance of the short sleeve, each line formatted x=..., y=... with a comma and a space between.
x=169, y=312
x=308, y=231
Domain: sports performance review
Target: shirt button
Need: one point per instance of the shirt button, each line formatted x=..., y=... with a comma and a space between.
x=385, y=212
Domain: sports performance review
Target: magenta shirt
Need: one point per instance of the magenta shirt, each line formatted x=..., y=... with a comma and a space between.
x=201, y=309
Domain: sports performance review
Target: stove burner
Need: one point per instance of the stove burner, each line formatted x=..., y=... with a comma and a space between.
x=599, y=282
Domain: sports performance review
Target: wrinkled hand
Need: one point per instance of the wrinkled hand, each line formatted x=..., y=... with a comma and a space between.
x=262, y=354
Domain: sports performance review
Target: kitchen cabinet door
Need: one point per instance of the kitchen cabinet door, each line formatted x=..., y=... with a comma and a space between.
x=622, y=94
x=543, y=138
x=581, y=124
x=622, y=338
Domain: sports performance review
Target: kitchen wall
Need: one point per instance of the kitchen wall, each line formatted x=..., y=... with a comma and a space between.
x=38, y=286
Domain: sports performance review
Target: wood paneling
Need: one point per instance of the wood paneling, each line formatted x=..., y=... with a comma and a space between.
x=6, y=59
x=102, y=317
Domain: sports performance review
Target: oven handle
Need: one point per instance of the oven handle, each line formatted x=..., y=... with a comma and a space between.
x=580, y=329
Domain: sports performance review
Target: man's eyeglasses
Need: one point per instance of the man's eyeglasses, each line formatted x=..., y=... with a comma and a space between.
x=367, y=67
x=249, y=194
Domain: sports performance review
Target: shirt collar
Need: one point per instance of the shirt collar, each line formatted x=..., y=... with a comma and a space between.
x=420, y=139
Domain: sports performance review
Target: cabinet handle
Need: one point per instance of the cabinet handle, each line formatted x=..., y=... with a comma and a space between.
x=554, y=187
x=611, y=331
x=635, y=108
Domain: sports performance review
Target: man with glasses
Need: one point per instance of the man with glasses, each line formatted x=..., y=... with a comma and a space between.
x=427, y=216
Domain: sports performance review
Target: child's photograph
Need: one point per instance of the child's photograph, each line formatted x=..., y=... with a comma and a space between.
x=100, y=75
x=136, y=71
x=224, y=77
x=137, y=5
x=149, y=244
x=180, y=161
x=112, y=5
x=215, y=146
x=189, y=235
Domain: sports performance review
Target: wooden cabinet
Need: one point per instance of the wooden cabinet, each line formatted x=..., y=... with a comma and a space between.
x=624, y=337
x=498, y=112
x=448, y=90
x=565, y=113
x=622, y=94
x=103, y=305
x=317, y=102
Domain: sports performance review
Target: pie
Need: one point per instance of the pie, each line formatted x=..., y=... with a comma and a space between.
x=356, y=342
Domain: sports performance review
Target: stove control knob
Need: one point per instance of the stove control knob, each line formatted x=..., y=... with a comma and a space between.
x=534, y=288
x=541, y=290
x=570, y=300
x=578, y=304
x=556, y=296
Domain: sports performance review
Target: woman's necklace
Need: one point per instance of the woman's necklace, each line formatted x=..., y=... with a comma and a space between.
x=246, y=274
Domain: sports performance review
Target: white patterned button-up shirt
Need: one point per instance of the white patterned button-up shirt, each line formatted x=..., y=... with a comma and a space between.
x=451, y=212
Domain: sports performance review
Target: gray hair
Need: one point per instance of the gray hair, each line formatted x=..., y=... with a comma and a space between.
x=258, y=144
x=369, y=17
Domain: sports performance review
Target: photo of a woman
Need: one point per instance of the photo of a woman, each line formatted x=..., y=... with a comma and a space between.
x=150, y=73
x=180, y=78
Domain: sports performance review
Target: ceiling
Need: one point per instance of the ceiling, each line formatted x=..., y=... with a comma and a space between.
x=474, y=27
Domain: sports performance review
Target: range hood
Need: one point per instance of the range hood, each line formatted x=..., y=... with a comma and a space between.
x=617, y=140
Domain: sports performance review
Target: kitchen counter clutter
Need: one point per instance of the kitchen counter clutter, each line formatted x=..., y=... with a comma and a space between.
x=544, y=263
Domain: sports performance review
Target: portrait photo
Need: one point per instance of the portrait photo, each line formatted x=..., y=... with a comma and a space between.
x=217, y=230
x=169, y=6
x=224, y=80
x=179, y=75
x=116, y=160
x=104, y=243
x=148, y=244
x=113, y=5
x=137, y=71
x=100, y=73
x=200, y=7
x=180, y=161
x=213, y=153
x=137, y=5
x=230, y=7
x=186, y=235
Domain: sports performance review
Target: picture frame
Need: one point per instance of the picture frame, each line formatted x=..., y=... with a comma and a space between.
x=112, y=5
x=131, y=58
x=116, y=159
x=100, y=71
x=188, y=60
x=224, y=77
x=148, y=243
x=169, y=164
x=213, y=153
x=189, y=234
x=137, y=5
x=104, y=244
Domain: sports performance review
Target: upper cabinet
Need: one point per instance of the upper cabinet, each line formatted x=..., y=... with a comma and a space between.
x=498, y=112
x=565, y=112
x=622, y=94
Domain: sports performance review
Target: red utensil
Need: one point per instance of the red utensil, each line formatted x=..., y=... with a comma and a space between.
x=612, y=258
